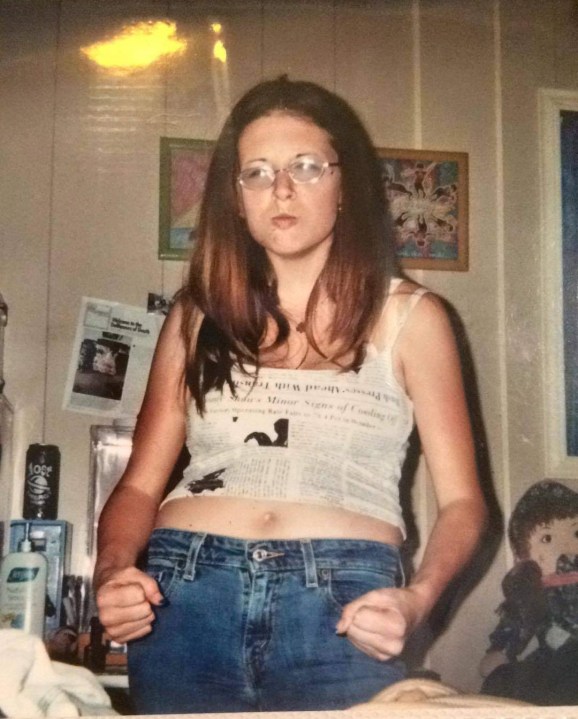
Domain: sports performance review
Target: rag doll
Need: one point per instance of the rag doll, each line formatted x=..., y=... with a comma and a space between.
x=533, y=654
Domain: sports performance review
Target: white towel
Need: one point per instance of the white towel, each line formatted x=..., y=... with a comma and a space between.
x=32, y=685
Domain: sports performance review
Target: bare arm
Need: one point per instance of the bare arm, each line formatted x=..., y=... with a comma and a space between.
x=124, y=594
x=380, y=621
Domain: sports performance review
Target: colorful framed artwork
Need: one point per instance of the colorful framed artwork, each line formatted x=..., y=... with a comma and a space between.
x=428, y=195
x=184, y=164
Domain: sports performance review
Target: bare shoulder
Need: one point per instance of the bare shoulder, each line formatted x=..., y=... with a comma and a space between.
x=427, y=329
x=411, y=294
x=178, y=313
x=183, y=321
x=170, y=339
x=403, y=288
x=408, y=303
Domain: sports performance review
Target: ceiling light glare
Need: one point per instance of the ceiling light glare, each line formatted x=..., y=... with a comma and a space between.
x=136, y=46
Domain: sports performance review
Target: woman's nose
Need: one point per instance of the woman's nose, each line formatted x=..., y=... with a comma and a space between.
x=283, y=184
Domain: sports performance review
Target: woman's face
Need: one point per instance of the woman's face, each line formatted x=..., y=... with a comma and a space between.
x=289, y=220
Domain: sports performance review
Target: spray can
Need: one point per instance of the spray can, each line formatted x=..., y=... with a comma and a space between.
x=23, y=577
x=41, y=483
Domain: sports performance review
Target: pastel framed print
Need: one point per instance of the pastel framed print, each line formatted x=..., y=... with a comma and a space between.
x=184, y=164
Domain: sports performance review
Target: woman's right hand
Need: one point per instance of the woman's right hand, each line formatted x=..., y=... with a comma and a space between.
x=125, y=598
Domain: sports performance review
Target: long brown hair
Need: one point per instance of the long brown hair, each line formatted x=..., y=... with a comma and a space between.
x=231, y=281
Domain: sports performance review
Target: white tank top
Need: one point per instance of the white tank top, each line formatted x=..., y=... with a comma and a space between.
x=313, y=436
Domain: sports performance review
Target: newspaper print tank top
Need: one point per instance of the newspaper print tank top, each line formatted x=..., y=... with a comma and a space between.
x=312, y=436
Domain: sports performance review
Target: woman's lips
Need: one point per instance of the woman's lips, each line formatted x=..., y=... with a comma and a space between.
x=283, y=222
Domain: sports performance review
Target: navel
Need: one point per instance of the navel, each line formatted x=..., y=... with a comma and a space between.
x=269, y=518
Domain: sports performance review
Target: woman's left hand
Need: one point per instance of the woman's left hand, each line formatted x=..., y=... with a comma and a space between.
x=379, y=622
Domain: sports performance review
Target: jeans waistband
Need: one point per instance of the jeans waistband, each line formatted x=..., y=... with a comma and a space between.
x=309, y=555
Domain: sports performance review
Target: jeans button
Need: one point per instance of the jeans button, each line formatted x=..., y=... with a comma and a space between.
x=260, y=554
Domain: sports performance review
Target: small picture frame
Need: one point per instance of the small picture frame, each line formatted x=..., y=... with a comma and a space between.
x=428, y=196
x=184, y=164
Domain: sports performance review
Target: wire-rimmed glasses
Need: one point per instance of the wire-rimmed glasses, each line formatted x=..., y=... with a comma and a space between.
x=303, y=170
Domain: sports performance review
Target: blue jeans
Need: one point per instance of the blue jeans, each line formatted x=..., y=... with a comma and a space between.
x=250, y=625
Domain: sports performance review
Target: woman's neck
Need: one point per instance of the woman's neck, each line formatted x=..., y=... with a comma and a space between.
x=294, y=289
x=296, y=277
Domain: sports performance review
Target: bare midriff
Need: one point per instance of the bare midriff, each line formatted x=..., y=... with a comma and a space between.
x=262, y=519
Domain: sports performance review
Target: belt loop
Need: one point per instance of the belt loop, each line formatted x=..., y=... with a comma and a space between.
x=192, y=554
x=310, y=567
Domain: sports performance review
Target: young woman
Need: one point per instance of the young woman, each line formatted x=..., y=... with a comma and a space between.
x=293, y=364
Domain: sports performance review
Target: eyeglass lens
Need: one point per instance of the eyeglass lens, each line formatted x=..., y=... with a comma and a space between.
x=302, y=170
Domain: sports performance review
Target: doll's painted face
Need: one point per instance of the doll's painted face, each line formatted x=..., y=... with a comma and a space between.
x=550, y=540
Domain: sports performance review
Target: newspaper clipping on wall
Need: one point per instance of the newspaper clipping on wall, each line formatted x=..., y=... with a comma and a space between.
x=111, y=358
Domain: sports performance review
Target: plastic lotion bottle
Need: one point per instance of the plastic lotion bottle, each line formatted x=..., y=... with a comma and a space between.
x=23, y=589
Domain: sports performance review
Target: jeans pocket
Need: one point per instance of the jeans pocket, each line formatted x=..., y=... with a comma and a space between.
x=164, y=572
x=345, y=585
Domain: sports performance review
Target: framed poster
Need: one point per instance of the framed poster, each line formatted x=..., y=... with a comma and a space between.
x=428, y=195
x=184, y=164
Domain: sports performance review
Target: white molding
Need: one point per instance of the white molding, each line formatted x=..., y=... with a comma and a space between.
x=501, y=276
x=550, y=103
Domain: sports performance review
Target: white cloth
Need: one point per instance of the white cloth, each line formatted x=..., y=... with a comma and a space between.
x=32, y=685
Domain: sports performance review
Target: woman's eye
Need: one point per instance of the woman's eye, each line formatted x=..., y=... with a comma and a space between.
x=254, y=172
x=305, y=164
x=546, y=539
